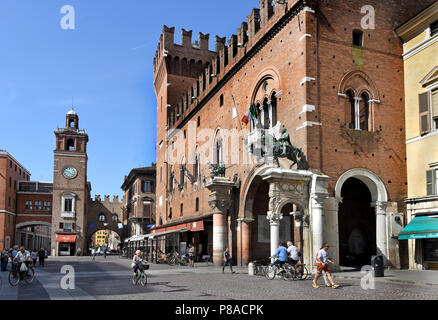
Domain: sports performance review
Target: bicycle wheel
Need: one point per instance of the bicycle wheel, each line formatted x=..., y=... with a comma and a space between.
x=135, y=280
x=144, y=279
x=271, y=271
x=30, y=275
x=289, y=273
x=301, y=272
x=13, y=280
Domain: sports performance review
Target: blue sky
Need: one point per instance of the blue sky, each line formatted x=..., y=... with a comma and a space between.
x=105, y=64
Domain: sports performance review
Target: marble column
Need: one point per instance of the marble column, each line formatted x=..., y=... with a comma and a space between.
x=274, y=222
x=381, y=242
x=317, y=207
x=219, y=201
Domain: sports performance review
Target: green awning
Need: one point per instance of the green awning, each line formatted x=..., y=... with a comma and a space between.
x=421, y=227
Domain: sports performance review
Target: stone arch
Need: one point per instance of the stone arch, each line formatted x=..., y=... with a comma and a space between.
x=248, y=190
x=33, y=223
x=265, y=75
x=358, y=81
x=370, y=179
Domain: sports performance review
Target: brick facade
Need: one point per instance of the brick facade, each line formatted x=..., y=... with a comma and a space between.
x=304, y=54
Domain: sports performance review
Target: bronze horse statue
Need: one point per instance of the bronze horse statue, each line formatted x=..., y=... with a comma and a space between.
x=287, y=150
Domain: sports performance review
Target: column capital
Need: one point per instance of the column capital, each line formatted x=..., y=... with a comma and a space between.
x=318, y=199
x=380, y=207
x=219, y=205
x=274, y=218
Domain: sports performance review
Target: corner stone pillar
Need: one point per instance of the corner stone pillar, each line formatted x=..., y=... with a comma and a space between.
x=317, y=205
x=219, y=201
x=381, y=242
x=274, y=222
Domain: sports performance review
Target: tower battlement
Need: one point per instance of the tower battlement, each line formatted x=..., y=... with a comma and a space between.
x=205, y=67
x=98, y=198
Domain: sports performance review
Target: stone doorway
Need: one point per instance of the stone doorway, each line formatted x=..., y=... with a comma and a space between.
x=357, y=225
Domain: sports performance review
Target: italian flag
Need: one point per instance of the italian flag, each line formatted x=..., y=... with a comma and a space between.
x=250, y=115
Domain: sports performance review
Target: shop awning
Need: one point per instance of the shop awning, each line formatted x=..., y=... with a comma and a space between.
x=421, y=227
x=159, y=234
x=66, y=238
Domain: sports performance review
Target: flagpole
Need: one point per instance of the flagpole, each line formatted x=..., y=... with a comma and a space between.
x=237, y=112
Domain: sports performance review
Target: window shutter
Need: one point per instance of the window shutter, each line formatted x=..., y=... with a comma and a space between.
x=424, y=113
x=435, y=103
x=430, y=182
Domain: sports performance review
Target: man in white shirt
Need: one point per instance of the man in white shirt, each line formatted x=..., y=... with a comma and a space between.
x=292, y=252
x=22, y=256
x=322, y=261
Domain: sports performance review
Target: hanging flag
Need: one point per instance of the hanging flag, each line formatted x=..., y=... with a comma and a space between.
x=176, y=182
x=254, y=111
x=246, y=117
x=210, y=165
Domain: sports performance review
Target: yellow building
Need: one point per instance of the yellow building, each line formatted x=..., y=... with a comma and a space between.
x=420, y=43
x=101, y=238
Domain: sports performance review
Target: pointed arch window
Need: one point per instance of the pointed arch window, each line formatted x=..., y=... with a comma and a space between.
x=364, y=111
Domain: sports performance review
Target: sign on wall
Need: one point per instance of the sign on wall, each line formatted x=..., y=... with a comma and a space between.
x=264, y=233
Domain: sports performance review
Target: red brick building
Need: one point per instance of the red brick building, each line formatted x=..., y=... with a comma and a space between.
x=330, y=73
x=11, y=173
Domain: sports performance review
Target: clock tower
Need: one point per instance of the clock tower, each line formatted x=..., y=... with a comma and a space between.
x=70, y=188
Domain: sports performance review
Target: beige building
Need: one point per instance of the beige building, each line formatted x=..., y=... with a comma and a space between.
x=420, y=46
x=100, y=238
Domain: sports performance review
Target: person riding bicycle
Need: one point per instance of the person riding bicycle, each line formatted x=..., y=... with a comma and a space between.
x=293, y=254
x=282, y=257
x=22, y=256
x=137, y=261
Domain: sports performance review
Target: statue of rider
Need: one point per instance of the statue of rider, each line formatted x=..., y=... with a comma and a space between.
x=284, y=141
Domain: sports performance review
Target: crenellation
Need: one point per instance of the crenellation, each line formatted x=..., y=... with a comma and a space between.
x=232, y=47
x=253, y=24
x=186, y=37
x=220, y=43
x=203, y=41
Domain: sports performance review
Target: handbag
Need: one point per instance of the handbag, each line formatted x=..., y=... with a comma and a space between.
x=23, y=267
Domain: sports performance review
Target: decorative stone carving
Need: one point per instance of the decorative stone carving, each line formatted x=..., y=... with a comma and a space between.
x=274, y=218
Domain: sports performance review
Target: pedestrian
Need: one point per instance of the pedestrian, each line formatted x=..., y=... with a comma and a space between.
x=41, y=256
x=34, y=257
x=4, y=260
x=93, y=253
x=322, y=261
x=227, y=261
x=104, y=251
x=191, y=256
x=78, y=251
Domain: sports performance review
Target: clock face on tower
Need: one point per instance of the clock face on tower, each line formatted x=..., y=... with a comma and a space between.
x=69, y=172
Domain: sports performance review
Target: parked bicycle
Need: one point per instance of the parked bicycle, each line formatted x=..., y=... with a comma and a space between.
x=15, y=275
x=260, y=266
x=141, y=275
x=176, y=259
x=300, y=271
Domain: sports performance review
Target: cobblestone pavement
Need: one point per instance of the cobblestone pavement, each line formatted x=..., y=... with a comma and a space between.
x=109, y=278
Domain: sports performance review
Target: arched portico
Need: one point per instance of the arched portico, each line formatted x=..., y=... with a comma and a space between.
x=379, y=201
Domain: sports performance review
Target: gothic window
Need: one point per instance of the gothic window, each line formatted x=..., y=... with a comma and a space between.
x=364, y=107
x=197, y=204
x=101, y=217
x=115, y=217
x=182, y=208
x=196, y=168
x=350, y=110
x=218, y=156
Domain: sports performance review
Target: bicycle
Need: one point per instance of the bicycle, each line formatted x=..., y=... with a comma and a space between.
x=287, y=272
x=301, y=272
x=15, y=275
x=140, y=275
x=260, y=266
